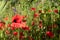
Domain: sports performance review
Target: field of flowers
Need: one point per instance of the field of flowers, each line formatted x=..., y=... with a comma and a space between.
x=29, y=19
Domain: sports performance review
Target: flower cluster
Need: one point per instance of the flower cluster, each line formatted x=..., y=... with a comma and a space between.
x=29, y=20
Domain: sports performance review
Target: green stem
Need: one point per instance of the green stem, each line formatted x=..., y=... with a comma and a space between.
x=6, y=6
x=13, y=38
x=18, y=34
x=59, y=36
x=2, y=5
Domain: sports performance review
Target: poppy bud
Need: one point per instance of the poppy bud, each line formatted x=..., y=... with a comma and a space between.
x=15, y=33
x=33, y=9
x=55, y=10
x=49, y=34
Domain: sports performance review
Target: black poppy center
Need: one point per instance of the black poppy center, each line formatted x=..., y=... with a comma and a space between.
x=15, y=20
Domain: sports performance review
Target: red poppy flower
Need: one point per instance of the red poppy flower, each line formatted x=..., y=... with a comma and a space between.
x=26, y=28
x=18, y=25
x=23, y=24
x=55, y=10
x=21, y=35
x=50, y=34
x=36, y=15
x=17, y=18
x=15, y=33
x=2, y=25
x=15, y=25
x=33, y=9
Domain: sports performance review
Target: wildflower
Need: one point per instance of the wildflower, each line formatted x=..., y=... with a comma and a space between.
x=49, y=34
x=21, y=35
x=55, y=10
x=23, y=24
x=36, y=15
x=17, y=18
x=2, y=25
x=33, y=9
x=15, y=25
x=18, y=25
x=26, y=28
x=15, y=33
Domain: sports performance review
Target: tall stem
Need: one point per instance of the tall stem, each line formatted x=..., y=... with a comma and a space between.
x=2, y=4
x=42, y=4
x=18, y=34
x=59, y=36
